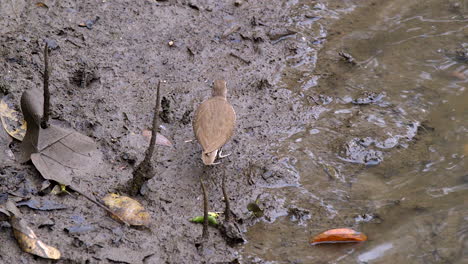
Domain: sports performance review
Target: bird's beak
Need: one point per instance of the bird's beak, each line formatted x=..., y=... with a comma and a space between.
x=209, y=158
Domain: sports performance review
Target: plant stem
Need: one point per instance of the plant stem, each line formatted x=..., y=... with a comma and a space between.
x=45, y=116
x=155, y=128
x=227, y=210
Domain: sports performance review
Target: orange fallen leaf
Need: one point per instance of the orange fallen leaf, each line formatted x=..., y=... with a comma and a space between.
x=338, y=235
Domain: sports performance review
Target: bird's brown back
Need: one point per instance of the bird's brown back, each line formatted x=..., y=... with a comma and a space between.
x=214, y=123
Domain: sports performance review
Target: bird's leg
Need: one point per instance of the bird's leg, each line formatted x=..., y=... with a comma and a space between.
x=227, y=210
x=220, y=155
x=205, y=211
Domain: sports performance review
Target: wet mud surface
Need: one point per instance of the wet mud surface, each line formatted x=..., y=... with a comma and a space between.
x=106, y=59
x=315, y=127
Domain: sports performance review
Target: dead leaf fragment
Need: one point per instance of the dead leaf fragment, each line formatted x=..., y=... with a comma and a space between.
x=29, y=242
x=12, y=120
x=8, y=209
x=127, y=210
x=160, y=139
x=41, y=4
x=42, y=204
x=338, y=235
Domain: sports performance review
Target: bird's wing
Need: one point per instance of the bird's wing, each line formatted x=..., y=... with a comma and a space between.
x=214, y=123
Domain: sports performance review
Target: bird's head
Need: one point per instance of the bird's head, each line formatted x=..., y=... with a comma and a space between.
x=219, y=88
x=209, y=158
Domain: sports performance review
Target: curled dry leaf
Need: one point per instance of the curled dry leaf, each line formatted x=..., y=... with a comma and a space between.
x=41, y=4
x=127, y=210
x=160, y=139
x=8, y=209
x=12, y=120
x=29, y=242
x=338, y=235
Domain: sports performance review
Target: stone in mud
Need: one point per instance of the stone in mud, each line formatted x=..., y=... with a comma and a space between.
x=368, y=98
x=298, y=215
x=232, y=233
x=359, y=151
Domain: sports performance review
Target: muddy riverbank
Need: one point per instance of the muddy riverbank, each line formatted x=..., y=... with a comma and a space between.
x=106, y=58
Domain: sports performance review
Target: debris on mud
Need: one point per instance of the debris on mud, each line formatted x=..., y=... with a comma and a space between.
x=89, y=23
x=348, y=58
x=127, y=210
x=42, y=204
x=12, y=120
x=369, y=98
x=278, y=34
x=25, y=236
x=29, y=242
x=358, y=151
x=255, y=208
x=160, y=139
x=212, y=219
x=298, y=215
x=339, y=235
x=232, y=232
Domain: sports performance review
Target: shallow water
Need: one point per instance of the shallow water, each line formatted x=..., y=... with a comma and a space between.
x=387, y=153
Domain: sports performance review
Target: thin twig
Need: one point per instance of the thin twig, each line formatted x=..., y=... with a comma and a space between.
x=240, y=58
x=45, y=116
x=91, y=199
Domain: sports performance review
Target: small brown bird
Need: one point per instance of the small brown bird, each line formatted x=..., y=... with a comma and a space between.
x=214, y=123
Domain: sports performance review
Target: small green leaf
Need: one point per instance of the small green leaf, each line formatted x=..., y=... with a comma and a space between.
x=199, y=219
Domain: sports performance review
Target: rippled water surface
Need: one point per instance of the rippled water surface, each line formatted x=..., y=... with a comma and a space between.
x=387, y=153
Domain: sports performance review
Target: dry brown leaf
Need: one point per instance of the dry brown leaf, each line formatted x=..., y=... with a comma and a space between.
x=41, y=4
x=339, y=235
x=127, y=210
x=58, y=154
x=12, y=120
x=29, y=242
x=8, y=209
x=160, y=139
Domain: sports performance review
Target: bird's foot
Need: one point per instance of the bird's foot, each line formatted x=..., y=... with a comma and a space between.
x=220, y=154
